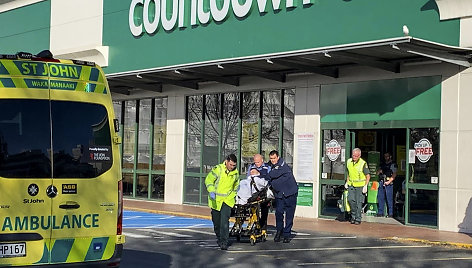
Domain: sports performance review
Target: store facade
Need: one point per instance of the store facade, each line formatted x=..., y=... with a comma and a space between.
x=196, y=80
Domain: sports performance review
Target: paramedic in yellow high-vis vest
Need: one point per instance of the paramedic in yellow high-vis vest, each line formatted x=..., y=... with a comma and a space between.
x=222, y=185
x=357, y=180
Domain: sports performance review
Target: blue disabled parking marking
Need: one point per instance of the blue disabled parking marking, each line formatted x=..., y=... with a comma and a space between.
x=138, y=219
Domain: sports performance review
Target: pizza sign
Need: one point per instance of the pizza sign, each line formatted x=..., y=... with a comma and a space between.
x=423, y=150
x=333, y=150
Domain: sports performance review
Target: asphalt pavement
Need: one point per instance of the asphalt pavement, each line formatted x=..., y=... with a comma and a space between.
x=382, y=230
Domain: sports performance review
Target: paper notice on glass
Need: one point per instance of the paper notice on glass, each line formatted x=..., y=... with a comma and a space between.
x=411, y=156
x=305, y=157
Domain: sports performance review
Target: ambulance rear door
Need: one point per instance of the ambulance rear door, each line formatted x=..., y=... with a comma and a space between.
x=25, y=163
x=85, y=177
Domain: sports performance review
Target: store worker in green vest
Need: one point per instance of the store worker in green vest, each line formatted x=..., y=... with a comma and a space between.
x=357, y=180
x=222, y=185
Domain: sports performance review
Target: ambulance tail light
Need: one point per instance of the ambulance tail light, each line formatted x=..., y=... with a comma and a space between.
x=119, y=225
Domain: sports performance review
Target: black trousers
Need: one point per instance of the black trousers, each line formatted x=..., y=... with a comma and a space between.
x=264, y=214
x=221, y=223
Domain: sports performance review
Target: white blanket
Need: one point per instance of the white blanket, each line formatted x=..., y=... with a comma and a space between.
x=246, y=189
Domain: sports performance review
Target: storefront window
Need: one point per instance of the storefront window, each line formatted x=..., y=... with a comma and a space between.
x=288, y=117
x=423, y=182
x=192, y=190
x=128, y=184
x=144, y=136
x=233, y=123
x=271, y=111
x=117, y=107
x=424, y=142
x=160, y=133
x=334, y=146
x=157, y=186
x=250, y=129
x=230, y=124
x=129, y=133
x=423, y=207
x=330, y=195
x=194, y=128
x=142, y=185
x=212, y=132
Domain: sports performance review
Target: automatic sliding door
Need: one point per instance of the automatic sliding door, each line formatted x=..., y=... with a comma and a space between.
x=332, y=170
x=423, y=183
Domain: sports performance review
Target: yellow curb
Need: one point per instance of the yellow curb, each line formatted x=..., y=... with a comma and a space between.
x=428, y=242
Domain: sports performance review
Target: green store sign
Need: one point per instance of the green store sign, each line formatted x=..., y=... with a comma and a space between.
x=147, y=15
x=152, y=34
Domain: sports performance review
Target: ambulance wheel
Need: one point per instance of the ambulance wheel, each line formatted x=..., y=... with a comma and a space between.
x=252, y=239
x=238, y=238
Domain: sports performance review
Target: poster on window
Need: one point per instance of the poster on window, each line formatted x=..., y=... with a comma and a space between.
x=305, y=165
x=249, y=139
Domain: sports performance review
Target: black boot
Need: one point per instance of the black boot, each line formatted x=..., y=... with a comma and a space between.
x=277, y=236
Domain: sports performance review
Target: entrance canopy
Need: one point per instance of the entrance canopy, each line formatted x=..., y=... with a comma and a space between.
x=388, y=54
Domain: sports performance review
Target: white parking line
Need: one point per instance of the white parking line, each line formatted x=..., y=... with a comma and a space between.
x=136, y=235
x=195, y=231
x=386, y=261
x=187, y=240
x=326, y=249
x=324, y=237
x=164, y=233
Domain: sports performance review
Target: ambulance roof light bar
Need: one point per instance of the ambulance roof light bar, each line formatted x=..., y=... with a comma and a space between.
x=83, y=62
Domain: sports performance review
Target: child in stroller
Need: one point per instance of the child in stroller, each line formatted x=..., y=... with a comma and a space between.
x=252, y=192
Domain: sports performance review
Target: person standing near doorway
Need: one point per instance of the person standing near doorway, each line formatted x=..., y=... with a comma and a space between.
x=357, y=180
x=263, y=169
x=387, y=174
x=285, y=190
x=222, y=185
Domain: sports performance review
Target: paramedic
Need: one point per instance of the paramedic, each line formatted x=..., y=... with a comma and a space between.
x=357, y=179
x=285, y=189
x=387, y=174
x=222, y=183
x=263, y=169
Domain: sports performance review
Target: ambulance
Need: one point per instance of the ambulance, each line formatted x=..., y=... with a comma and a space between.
x=60, y=168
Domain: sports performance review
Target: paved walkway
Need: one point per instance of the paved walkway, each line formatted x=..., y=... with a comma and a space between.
x=368, y=229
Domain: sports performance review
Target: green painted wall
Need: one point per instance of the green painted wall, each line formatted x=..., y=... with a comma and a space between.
x=384, y=100
x=324, y=23
x=25, y=29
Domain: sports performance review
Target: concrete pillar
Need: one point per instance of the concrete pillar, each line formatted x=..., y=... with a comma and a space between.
x=175, y=150
x=307, y=121
x=455, y=179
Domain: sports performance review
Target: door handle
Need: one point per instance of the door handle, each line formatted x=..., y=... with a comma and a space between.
x=69, y=205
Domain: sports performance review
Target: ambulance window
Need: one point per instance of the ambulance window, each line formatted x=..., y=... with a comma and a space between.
x=25, y=138
x=81, y=139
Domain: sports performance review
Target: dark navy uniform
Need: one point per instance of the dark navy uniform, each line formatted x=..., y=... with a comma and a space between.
x=285, y=190
x=386, y=190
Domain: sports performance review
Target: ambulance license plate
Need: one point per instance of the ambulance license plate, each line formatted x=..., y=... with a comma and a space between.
x=12, y=250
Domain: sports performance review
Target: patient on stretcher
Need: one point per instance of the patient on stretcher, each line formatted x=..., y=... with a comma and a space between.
x=252, y=186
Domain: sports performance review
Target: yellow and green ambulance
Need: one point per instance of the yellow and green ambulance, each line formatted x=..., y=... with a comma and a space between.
x=60, y=170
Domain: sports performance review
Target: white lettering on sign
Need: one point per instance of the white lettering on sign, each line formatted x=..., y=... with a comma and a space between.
x=191, y=12
x=333, y=150
x=423, y=150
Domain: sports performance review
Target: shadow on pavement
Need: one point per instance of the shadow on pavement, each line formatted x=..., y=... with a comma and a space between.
x=466, y=225
x=135, y=259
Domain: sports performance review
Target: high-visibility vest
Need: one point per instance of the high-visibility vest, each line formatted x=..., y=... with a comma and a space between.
x=357, y=177
x=224, y=184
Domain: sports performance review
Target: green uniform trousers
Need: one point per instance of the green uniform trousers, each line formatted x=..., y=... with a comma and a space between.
x=221, y=223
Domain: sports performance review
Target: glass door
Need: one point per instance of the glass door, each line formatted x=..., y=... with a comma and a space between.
x=335, y=144
x=423, y=176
